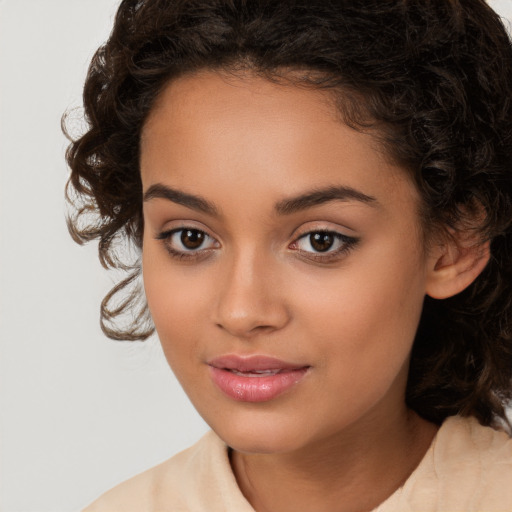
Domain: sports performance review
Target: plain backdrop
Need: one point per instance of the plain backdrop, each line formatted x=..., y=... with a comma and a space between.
x=78, y=413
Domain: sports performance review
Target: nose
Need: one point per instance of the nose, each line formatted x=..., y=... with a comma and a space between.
x=250, y=300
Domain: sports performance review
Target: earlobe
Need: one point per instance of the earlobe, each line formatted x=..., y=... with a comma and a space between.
x=453, y=268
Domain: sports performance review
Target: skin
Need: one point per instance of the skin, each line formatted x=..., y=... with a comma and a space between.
x=256, y=286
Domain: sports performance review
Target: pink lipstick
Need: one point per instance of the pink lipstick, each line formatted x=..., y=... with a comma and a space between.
x=254, y=378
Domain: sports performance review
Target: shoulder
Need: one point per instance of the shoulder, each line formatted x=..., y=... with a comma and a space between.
x=170, y=484
x=468, y=467
x=475, y=465
x=463, y=442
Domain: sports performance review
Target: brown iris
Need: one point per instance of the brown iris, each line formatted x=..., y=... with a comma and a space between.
x=192, y=238
x=321, y=242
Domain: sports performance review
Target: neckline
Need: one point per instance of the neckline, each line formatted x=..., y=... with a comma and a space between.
x=427, y=461
x=424, y=462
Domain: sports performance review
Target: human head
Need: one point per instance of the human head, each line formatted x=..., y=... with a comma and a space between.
x=432, y=82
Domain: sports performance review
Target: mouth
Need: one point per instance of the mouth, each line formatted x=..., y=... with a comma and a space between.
x=254, y=373
x=255, y=378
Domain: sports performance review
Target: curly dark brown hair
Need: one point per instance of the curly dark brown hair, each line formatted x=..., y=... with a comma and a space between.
x=432, y=80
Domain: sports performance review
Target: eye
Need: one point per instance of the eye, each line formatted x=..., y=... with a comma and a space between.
x=187, y=242
x=324, y=245
x=190, y=239
x=321, y=241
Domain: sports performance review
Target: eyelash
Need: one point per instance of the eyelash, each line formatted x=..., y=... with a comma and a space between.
x=186, y=254
x=347, y=243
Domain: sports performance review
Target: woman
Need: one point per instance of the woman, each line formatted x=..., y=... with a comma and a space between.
x=321, y=196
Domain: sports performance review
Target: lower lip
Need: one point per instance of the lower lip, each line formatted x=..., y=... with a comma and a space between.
x=255, y=389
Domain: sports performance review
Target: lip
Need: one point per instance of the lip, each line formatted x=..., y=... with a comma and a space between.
x=255, y=378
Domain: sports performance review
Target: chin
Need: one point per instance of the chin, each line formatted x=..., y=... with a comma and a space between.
x=260, y=433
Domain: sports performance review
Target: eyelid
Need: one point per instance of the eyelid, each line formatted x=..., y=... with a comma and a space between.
x=165, y=235
x=181, y=223
x=323, y=226
x=348, y=242
x=200, y=253
x=345, y=242
x=335, y=234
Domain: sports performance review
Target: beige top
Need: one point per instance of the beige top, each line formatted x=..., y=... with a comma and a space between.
x=467, y=468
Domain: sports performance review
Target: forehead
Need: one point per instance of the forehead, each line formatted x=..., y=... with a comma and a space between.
x=196, y=102
x=205, y=85
x=208, y=127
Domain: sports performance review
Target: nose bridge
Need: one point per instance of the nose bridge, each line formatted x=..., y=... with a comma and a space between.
x=249, y=301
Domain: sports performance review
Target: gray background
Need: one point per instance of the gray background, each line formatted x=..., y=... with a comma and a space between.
x=78, y=413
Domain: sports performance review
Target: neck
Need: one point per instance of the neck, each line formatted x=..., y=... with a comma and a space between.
x=359, y=467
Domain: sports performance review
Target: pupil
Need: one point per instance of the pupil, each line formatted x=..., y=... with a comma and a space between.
x=321, y=241
x=192, y=239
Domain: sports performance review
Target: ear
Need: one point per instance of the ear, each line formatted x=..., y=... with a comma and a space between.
x=455, y=264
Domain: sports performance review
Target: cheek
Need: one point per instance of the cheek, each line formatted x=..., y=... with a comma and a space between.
x=176, y=305
x=368, y=312
x=363, y=334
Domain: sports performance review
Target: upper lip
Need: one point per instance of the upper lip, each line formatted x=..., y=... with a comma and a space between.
x=251, y=363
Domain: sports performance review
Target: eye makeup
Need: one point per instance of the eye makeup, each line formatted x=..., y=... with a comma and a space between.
x=323, y=246
x=320, y=245
x=188, y=243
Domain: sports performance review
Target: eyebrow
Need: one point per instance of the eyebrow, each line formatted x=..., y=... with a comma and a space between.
x=321, y=196
x=284, y=207
x=176, y=196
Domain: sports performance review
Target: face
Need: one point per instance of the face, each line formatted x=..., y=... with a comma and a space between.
x=282, y=261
